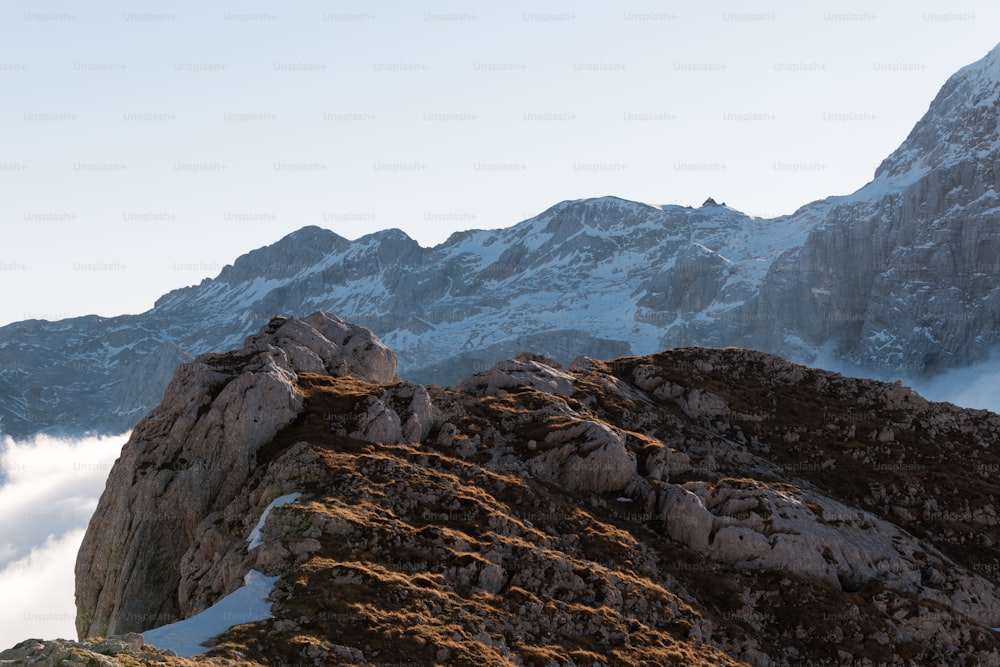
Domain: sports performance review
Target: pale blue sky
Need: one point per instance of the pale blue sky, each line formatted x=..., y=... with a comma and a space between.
x=145, y=145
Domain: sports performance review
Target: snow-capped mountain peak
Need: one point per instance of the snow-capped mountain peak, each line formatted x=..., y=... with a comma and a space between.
x=961, y=123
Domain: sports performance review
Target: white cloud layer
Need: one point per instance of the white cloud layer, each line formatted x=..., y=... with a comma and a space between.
x=975, y=386
x=50, y=490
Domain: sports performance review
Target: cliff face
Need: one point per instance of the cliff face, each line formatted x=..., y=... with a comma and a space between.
x=193, y=455
x=698, y=506
x=902, y=275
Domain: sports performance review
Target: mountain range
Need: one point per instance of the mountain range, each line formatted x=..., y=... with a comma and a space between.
x=899, y=278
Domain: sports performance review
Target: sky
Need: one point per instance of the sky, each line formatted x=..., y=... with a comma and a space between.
x=145, y=146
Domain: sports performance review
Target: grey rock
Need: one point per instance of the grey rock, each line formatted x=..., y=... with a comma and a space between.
x=537, y=372
x=594, y=458
x=901, y=278
x=534, y=504
x=117, y=651
x=143, y=380
x=190, y=457
x=753, y=525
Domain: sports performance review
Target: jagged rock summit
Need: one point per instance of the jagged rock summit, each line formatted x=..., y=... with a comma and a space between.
x=960, y=126
x=696, y=506
x=193, y=455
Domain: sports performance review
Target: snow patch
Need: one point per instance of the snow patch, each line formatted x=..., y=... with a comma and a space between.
x=254, y=540
x=244, y=605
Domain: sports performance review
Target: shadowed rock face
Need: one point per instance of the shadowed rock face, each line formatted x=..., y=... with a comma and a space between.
x=899, y=278
x=194, y=453
x=698, y=506
x=902, y=275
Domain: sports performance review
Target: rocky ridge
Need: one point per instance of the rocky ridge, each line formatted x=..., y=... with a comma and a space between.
x=197, y=451
x=697, y=506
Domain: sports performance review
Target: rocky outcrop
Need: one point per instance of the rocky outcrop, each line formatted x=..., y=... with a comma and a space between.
x=122, y=650
x=191, y=456
x=698, y=506
x=764, y=526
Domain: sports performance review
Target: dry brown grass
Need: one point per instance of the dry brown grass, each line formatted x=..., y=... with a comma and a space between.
x=415, y=519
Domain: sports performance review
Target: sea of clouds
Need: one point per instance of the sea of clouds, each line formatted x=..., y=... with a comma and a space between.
x=49, y=492
x=975, y=386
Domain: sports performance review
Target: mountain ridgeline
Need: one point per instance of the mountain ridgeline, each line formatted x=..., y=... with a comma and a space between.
x=900, y=277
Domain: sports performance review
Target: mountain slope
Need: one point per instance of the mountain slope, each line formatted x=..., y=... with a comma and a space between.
x=698, y=506
x=903, y=275
x=606, y=277
x=899, y=278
